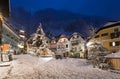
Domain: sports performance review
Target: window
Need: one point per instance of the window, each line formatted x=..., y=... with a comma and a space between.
x=11, y=37
x=118, y=34
x=113, y=44
x=77, y=36
x=67, y=46
x=110, y=43
x=47, y=42
x=7, y=35
x=64, y=40
x=115, y=35
x=117, y=43
x=75, y=42
x=97, y=36
x=116, y=30
x=104, y=34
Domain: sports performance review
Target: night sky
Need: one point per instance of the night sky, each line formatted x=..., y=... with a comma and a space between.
x=105, y=8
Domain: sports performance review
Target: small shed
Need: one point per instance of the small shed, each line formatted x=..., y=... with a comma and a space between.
x=114, y=60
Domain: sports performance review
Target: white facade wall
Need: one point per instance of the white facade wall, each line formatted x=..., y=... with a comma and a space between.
x=77, y=43
x=63, y=45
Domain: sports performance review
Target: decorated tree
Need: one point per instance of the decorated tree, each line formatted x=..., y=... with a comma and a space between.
x=39, y=42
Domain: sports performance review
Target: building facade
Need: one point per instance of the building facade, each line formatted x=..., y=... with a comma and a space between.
x=0, y=30
x=63, y=45
x=10, y=36
x=77, y=45
x=108, y=36
x=53, y=45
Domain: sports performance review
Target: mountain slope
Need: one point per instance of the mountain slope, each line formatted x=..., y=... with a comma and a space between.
x=55, y=21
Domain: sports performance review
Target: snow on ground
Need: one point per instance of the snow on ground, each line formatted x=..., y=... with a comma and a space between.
x=113, y=55
x=31, y=67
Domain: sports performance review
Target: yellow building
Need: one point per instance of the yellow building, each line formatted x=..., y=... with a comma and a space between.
x=108, y=36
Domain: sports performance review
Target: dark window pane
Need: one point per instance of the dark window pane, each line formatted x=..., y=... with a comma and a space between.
x=110, y=43
x=117, y=43
x=116, y=30
x=104, y=34
x=112, y=35
x=97, y=36
x=66, y=46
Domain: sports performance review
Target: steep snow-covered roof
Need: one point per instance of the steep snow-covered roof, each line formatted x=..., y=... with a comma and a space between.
x=75, y=33
x=108, y=25
x=113, y=55
x=63, y=36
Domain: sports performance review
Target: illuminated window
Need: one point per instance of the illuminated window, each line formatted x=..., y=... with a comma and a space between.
x=64, y=40
x=113, y=43
x=117, y=43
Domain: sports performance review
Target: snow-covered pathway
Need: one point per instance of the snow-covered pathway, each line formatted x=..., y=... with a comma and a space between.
x=29, y=67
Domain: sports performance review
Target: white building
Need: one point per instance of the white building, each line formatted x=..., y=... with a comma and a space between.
x=77, y=45
x=63, y=45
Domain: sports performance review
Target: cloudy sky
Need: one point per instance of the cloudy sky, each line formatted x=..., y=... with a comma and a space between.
x=105, y=8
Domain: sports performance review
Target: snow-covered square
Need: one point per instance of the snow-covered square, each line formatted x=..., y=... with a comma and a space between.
x=32, y=67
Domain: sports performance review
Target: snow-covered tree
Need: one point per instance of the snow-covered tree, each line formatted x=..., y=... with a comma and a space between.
x=97, y=54
x=91, y=31
x=39, y=42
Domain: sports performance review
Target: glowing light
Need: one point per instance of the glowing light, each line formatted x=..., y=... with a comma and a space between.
x=113, y=43
x=89, y=44
x=22, y=36
x=1, y=18
x=20, y=46
x=63, y=39
x=22, y=31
